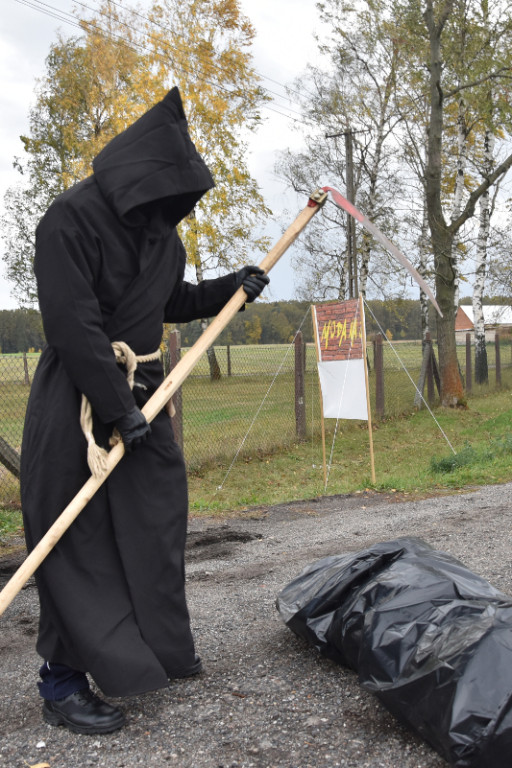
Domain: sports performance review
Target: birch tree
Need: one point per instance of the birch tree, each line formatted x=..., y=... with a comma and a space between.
x=423, y=269
x=352, y=95
x=481, y=367
x=495, y=121
x=458, y=192
x=321, y=262
x=442, y=67
x=447, y=81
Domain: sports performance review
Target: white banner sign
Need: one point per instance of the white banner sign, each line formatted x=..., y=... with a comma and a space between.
x=341, y=370
x=343, y=389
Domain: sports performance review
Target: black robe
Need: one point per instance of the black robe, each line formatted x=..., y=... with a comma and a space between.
x=110, y=267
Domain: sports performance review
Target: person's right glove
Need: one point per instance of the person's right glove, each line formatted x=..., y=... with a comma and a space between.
x=253, y=280
x=133, y=428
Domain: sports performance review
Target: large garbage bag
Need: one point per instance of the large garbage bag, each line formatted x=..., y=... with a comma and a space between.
x=431, y=639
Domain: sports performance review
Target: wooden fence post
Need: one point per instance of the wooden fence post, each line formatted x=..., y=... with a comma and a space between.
x=9, y=457
x=430, y=370
x=428, y=373
x=378, y=364
x=25, y=367
x=177, y=398
x=498, y=359
x=469, y=372
x=300, y=403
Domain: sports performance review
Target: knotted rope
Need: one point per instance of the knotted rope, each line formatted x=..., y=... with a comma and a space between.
x=96, y=455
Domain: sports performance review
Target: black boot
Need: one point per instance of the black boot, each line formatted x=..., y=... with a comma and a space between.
x=83, y=712
x=195, y=669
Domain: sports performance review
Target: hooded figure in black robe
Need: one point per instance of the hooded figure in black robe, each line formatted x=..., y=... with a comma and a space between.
x=110, y=267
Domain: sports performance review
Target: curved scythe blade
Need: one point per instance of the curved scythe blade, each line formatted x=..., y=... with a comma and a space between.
x=342, y=202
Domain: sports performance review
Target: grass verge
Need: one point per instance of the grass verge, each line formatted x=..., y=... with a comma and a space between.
x=11, y=528
x=413, y=455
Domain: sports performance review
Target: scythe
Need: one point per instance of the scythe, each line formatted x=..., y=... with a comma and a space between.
x=350, y=208
x=178, y=375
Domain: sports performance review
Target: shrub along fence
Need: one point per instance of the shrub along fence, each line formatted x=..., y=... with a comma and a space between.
x=264, y=398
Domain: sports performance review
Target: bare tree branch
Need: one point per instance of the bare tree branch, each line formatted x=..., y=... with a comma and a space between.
x=474, y=197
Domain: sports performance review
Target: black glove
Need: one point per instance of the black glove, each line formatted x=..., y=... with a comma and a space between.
x=253, y=280
x=133, y=428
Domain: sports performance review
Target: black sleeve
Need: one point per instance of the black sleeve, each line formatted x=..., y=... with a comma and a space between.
x=206, y=299
x=65, y=269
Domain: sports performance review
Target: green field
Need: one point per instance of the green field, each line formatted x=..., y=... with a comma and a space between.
x=260, y=387
x=250, y=415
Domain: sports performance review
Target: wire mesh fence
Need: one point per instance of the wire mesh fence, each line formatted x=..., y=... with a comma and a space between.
x=16, y=373
x=250, y=408
x=402, y=363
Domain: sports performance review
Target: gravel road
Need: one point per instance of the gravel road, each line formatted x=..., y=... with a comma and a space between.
x=264, y=699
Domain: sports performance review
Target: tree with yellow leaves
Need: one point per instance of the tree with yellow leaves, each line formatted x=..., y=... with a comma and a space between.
x=94, y=86
x=203, y=47
x=97, y=84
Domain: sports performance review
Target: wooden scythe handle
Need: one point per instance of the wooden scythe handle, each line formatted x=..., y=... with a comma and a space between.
x=154, y=405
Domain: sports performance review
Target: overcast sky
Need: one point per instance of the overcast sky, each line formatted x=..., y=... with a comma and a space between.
x=283, y=48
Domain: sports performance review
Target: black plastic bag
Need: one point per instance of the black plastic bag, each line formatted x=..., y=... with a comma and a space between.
x=431, y=639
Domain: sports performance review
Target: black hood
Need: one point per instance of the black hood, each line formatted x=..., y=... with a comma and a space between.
x=153, y=160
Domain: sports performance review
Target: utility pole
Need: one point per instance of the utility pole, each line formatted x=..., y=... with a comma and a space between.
x=353, y=289
x=351, y=224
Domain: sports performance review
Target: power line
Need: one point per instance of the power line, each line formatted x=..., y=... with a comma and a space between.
x=70, y=19
x=177, y=47
x=54, y=13
x=174, y=46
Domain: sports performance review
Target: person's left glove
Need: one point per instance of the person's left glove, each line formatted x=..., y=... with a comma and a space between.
x=133, y=428
x=253, y=280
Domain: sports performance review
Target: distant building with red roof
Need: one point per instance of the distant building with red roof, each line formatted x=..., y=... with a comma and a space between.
x=497, y=319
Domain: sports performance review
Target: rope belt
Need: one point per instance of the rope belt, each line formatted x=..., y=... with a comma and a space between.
x=97, y=456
